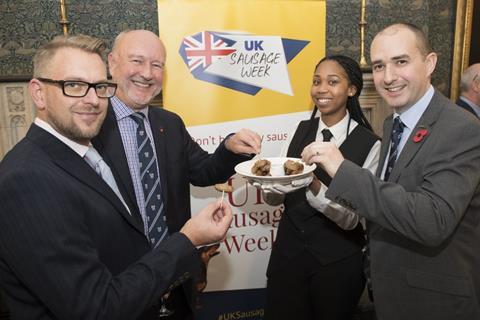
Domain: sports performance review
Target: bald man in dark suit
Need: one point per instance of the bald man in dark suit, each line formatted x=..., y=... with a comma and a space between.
x=137, y=64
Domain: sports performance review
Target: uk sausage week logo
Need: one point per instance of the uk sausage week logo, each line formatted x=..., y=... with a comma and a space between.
x=242, y=62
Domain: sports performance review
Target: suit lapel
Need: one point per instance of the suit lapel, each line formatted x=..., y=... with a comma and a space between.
x=74, y=165
x=109, y=144
x=413, y=144
x=159, y=131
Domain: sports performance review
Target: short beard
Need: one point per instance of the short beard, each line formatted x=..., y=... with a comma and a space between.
x=71, y=131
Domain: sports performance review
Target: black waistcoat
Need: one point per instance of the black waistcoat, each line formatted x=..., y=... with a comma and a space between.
x=303, y=227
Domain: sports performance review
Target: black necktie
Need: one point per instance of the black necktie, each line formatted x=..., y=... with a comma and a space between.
x=320, y=173
x=156, y=219
x=397, y=131
x=327, y=135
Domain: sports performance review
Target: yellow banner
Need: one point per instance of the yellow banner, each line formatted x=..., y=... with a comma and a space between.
x=239, y=59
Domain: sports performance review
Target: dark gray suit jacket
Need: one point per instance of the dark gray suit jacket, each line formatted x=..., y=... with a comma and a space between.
x=181, y=162
x=424, y=223
x=68, y=247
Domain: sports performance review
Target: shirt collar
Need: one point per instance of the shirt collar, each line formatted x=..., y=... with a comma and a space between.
x=338, y=129
x=469, y=102
x=411, y=116
x=80, y=149
x=122, y=110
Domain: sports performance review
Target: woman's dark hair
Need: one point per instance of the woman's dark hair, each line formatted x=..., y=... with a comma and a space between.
x=354, y=74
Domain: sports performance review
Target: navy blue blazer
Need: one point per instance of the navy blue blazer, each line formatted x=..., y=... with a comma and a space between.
x=68, y=247
x=466, y=106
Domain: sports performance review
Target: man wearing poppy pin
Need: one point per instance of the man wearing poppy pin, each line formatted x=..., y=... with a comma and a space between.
x=422, y=207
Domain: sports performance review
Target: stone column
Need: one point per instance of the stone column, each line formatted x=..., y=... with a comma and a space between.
x=16, y=114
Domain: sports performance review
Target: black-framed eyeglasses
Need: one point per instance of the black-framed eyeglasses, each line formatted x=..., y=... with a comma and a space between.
x=79, y=89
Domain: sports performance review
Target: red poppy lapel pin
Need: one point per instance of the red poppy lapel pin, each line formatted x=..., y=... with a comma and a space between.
x=421, y=133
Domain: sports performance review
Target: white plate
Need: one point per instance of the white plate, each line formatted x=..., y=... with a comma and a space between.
x=276, y=170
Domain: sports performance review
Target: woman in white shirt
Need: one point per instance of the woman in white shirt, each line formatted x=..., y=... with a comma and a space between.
x=315, y=269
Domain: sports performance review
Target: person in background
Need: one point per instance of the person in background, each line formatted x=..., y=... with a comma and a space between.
x=470, y=90
x=69, y=245
x=133, y=129
x=315, y=269
x=422, y=207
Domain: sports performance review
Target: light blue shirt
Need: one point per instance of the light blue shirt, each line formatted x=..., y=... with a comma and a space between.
x=128, y=132
x=410, y=119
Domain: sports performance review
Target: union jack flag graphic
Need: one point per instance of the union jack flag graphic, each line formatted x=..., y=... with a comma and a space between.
x=203, y=48
x=209, y=56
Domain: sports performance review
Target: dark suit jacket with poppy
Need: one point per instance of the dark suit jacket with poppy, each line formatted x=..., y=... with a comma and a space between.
x=424, y=222
x=68, y=247
x=181, y=162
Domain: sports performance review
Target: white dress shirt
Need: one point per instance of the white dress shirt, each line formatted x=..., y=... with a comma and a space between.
x=343, y=217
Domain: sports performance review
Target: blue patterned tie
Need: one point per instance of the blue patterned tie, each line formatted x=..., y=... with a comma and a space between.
x=156, y=219
x=397, y=131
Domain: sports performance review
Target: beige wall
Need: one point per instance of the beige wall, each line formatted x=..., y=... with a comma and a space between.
x=373, y=106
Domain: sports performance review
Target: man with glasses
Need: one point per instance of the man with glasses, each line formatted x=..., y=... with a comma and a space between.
x=69, y=246
x=79, y=89
x=470, y=90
